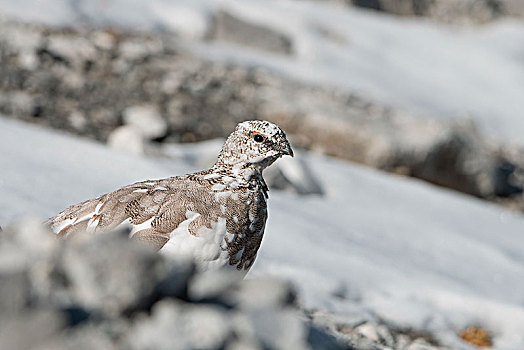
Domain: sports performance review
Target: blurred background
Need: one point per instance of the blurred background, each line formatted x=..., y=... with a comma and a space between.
x=425, y=89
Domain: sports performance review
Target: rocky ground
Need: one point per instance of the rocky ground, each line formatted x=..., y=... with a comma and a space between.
x=109, y=292
x=138, y=90
x=461, y=12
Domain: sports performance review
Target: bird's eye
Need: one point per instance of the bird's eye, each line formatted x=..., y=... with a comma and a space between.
x=258, y=137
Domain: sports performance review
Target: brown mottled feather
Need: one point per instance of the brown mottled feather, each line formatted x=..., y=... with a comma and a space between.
x=165, y=202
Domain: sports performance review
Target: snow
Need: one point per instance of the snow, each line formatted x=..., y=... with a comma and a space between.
x=399, y=249
x=415, y=64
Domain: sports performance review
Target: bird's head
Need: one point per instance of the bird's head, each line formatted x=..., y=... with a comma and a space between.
x=254, y=143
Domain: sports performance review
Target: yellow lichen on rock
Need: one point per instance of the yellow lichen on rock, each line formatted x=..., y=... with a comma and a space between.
x=477, y=336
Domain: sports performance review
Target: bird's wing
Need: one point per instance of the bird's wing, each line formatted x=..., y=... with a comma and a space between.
x=152, y=208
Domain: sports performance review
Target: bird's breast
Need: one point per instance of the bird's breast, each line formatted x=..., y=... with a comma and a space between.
x=227, y=232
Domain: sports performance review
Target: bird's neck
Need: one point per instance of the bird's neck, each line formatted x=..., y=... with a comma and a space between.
x=243, y=173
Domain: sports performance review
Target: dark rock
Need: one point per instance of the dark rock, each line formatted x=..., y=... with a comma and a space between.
x=505, y=185
x=319, y=339
x=463, y=12
x=462, y=160
x=451, y=11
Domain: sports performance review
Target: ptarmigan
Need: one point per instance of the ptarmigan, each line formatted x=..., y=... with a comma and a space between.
x=215, y=216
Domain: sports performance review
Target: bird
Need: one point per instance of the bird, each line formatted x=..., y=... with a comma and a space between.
x=216, y=217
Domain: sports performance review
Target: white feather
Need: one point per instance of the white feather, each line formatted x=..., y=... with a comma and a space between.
x=204, y=247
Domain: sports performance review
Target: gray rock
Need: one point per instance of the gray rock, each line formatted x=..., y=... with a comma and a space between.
x=421, y=344
x=129, y=139
x=84, y=337
x=464, y=12
x=110, y=274
x=14, y=289
x=320, y=339
x=462, y=160
x=379, y=334
x=177, y=326
x=36, y=329
x=276, y=329
x=264, y=292
x=512, y=7
x=213, y=285
x=295, y=175
x=230, y=27
x=109, y=292
x=140, y=48
x=70, y=50
x=18, y=103
x=146, y=119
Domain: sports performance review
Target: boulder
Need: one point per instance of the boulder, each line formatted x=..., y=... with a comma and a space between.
x=129, y=139
x=146, y=119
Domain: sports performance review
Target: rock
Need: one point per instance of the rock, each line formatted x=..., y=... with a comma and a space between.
x=109, y=292
x=320, y=339
x=462, y=12
x=30, y=329
x=421, y=344
x=223, y=287
x=213, y=286
x=512, y=7
x=462, y=160
x=264, y=293
x=275, y=329
x=176, y=326
x=376, y=333
x=465, y=12
x=84, y=337
x=78, y=120
x=146, y=120
x=398, y=7
x=14, y=289
x=295, y=175
x=139, y=48
x=128, y=138
x=69, y=50
x=19, y=103
x=451, y=11
x=110, y=275
x=103, y=40
x=239, y=30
